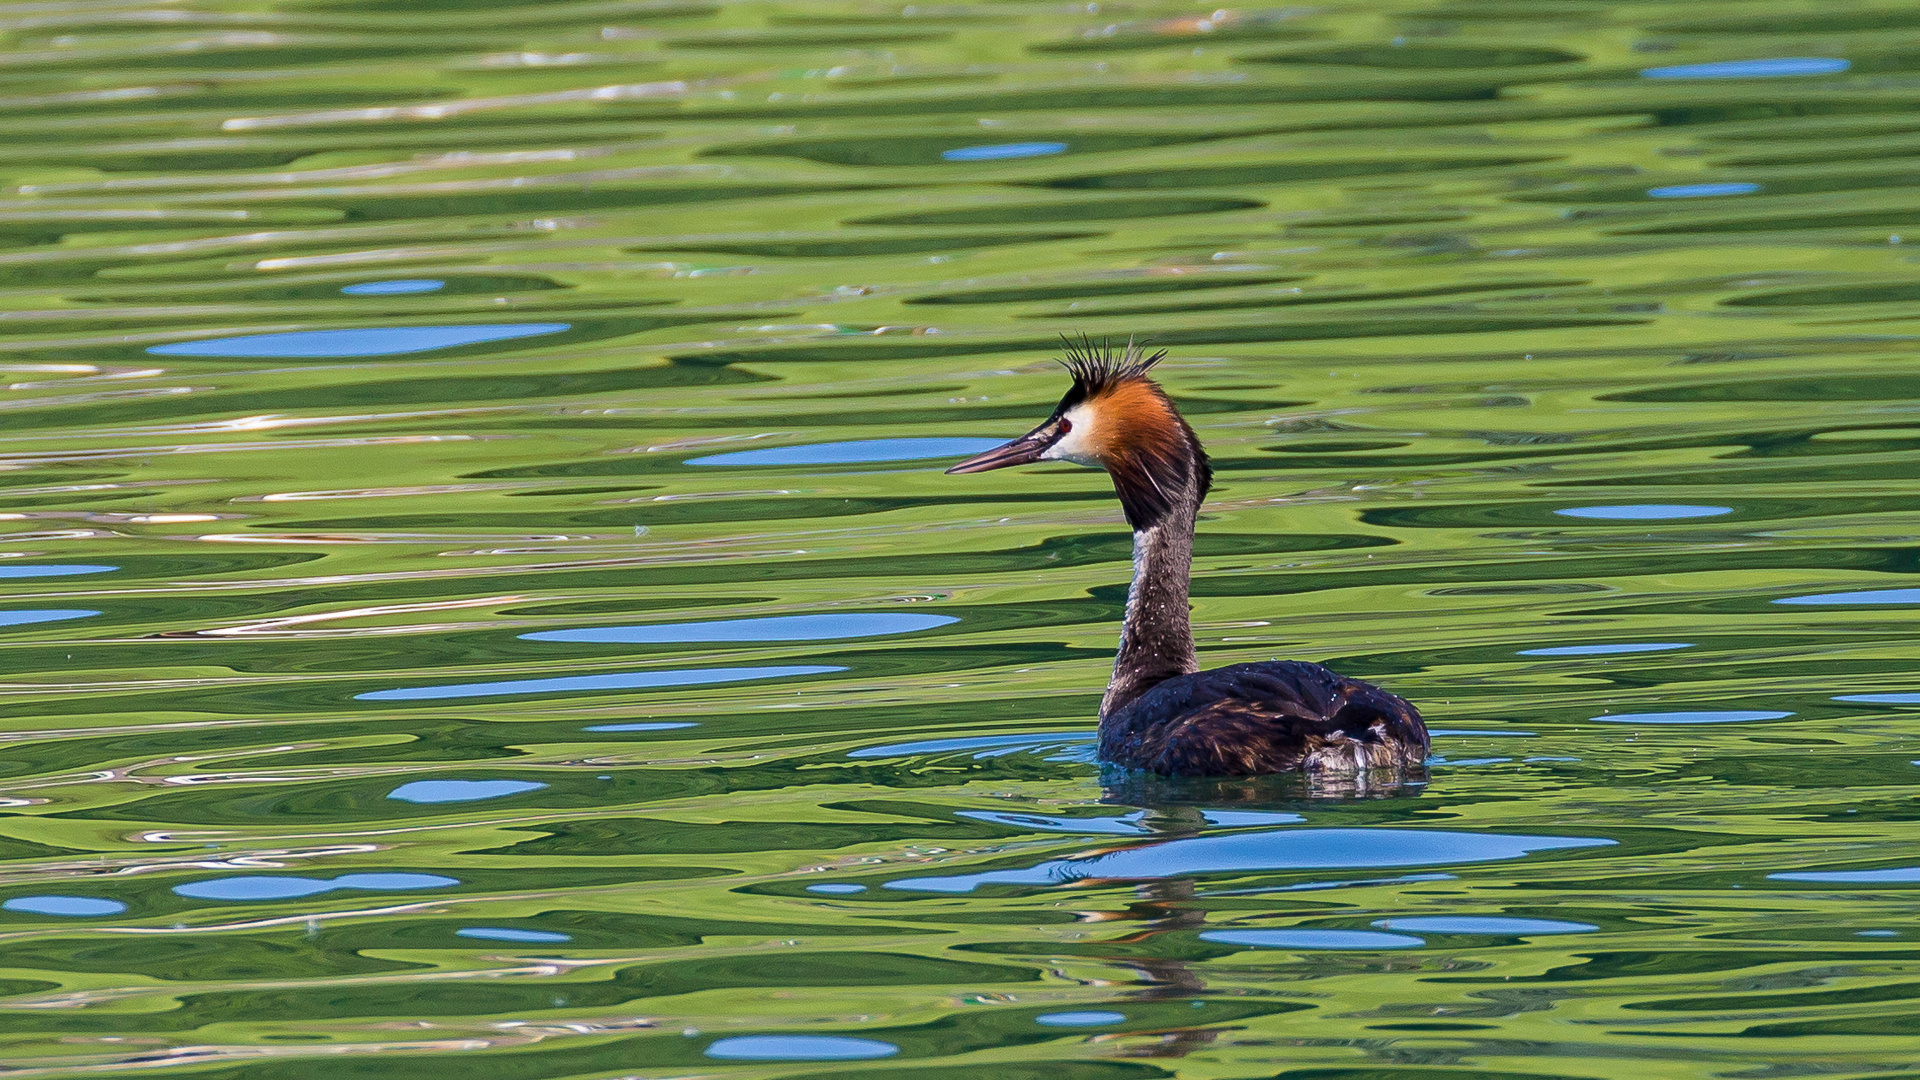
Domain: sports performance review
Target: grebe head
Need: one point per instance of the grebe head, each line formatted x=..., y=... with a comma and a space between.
x=1115, y=418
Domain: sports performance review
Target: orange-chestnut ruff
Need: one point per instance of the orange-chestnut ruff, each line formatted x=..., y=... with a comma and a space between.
x=1116, y=418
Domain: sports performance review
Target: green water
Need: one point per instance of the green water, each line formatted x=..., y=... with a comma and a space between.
x=1432, y=272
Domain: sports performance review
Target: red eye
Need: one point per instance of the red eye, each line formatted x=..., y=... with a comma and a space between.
x=1066, y=425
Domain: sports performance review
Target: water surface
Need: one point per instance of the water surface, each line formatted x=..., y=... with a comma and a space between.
x=482, y=595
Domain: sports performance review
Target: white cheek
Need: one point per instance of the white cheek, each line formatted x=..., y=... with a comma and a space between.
x=1078, y=446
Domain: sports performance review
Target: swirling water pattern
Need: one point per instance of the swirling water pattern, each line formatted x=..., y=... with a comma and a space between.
x=481, y=597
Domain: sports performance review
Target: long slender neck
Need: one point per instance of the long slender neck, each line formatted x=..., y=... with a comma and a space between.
x=1156, y=642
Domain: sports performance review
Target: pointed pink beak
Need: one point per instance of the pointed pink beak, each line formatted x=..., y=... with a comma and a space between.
x=1021, y=451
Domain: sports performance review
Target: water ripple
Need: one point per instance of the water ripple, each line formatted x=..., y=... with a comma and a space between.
x=626, y=680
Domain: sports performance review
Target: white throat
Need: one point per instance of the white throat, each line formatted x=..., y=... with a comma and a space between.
x=1080, y=443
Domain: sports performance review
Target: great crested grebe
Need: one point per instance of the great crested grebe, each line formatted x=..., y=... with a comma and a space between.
x=1161, y=712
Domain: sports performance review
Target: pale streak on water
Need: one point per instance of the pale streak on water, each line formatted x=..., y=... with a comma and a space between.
x=1557, y=364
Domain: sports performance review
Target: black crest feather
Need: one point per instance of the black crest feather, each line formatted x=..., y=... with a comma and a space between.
x=1097, y=368
x=1153, y=468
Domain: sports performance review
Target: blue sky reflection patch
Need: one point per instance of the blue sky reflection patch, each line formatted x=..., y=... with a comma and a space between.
x=405, y=287
x=40, y=615
x=53, y=570
x=1644, y=512
x=1089, y=1018
x=1880, y=699
x=288, y=887
x=626, y=680
x=1607, y=650
x=508, y=933
x=446, y=791
x=77, y=907
x=984, y=746
x=1698, y=716
x=1004, y=151
x=1312, y=939
x=1702, y=191
x=1771, y=68
x=1483, y=924
x=1278, y=849
x=1125, y=824
x=778, y=628
x=1870, y=596
x=1900, y=875
x=799, y=1048
x=366, y=341
x=855, y=452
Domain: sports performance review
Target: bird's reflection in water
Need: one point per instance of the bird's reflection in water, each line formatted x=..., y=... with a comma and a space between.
x=1274, y=791
x=1177, y=808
